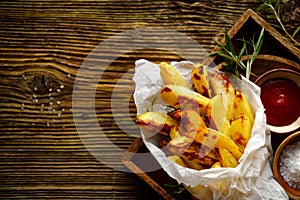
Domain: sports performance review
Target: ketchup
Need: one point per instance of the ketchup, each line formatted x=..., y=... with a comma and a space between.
x=281, y=99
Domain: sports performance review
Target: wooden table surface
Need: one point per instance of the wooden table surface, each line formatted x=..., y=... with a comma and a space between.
x=43, y=45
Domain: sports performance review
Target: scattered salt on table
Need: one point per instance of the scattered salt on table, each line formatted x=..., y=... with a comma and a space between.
x=290, y=165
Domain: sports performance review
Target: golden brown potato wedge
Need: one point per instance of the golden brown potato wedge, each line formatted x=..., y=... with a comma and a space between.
x=157, y=121
x=191, y=120
x=183, y=98
x=242, y=106
x=191, y=154
x=171, y=76
x=214, y=139
x=197, y=163
x=200, y=81
x=179, y=144
x=178, y=160
x=220, y=83
x=240, y=131
x=216, y=165
x=216, y=112
x=192, y=164
x=226, y=158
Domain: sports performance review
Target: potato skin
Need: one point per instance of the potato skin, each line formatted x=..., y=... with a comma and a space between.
x=240, y=130
x=184, y=99
x=171, y=76
x=157, y=121
x=226, y=158
x=200, y=81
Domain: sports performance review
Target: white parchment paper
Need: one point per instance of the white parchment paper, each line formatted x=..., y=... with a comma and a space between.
x=251, y=179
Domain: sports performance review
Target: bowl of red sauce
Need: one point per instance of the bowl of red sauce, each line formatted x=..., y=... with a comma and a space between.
x=280, y=95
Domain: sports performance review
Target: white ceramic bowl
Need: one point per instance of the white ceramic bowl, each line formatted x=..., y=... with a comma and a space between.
x=282, y=74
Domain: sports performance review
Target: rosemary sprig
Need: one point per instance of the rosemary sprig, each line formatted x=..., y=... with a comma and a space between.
x=256, y=48
x=274, y=6
x=233, y=60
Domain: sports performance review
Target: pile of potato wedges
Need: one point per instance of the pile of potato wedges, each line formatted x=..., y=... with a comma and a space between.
x=209, y=123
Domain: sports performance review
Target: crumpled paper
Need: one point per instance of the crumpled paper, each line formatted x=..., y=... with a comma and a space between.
x=251, y=179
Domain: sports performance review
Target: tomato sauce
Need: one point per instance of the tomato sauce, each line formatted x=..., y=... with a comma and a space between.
x=281, y=99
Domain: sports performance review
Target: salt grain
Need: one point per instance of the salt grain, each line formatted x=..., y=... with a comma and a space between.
x=24, y=77
x=290, y=165
x=42, y=107
x=22, y=107
x=50, y=109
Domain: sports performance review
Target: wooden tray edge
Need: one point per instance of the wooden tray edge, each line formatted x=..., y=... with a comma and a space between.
x=142, y=175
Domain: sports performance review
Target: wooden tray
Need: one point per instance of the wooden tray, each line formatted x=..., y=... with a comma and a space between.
x=275, y=46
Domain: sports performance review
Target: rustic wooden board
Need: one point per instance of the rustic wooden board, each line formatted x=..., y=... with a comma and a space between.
x=42, y=46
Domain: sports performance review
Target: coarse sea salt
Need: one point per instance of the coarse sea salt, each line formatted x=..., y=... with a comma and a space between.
x=290, y=165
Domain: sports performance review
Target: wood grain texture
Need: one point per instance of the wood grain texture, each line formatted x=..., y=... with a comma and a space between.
x=42, y=47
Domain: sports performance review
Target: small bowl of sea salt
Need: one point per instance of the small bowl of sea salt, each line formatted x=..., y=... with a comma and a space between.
x=286, y=165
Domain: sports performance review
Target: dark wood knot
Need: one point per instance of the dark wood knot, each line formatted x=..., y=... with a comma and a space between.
x=41, y=83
